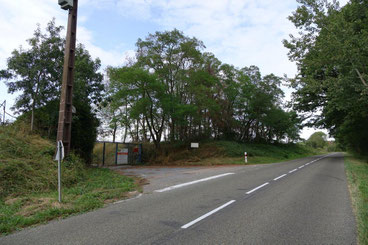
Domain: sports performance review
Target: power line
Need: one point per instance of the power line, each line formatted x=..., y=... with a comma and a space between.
x=10, y=115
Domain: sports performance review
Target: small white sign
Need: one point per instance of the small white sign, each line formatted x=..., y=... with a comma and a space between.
x=123, y=156
x=58, y=151
x=194, y=145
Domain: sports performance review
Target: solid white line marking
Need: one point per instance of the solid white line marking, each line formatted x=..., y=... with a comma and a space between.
x=192, y=182
x=207, y=214
x=259, y=187
x=295, y=169
x=281, y=176
x=125, y=200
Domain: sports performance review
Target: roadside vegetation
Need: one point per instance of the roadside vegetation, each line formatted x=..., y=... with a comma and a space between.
x=213, y=153
x=222, y=152
x=28, y=182
x=357, y=173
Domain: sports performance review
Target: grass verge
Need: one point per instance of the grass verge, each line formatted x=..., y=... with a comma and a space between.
x=357, y=173
x=99, y=187
x=28, y=182
x=225, y=152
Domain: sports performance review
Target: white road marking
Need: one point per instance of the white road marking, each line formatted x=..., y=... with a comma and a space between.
x=281, y=176
x=207, y=214
x=125, y=200
x=301, y=167
x=192, y=182
x=295, y=169
x=259, y=187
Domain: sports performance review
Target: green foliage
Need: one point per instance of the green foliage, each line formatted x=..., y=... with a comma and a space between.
x=275, y=151
x=331, y=54
x=27, y=166
x=99, y=186
x=28, y=181
x=357, y=173
x=177, y=93
x=317, y=140
x=221, y=152
x=37, y=74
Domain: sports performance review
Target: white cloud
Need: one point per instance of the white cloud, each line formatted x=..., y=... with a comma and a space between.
x=239, y=32
x=19, y=19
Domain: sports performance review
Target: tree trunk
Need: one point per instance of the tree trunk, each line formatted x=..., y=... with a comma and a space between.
x=114, y=132
x=32, y=117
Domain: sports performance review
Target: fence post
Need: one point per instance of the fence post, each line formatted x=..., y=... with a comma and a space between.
x=103, y=153
x=140, y=153
x=116, y=154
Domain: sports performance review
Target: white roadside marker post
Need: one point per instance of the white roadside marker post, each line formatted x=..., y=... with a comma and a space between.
x=245, y=157
x=59, y=157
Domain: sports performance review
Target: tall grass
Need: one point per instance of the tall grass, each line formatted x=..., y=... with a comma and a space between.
x=223, y=152
x=27, y=165
x=357, y=173
x=28, y=182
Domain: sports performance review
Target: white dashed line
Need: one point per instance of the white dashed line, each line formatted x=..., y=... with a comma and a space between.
x=291, y=171
x=259, y=187
x=207, y=214
x=192, y=182
x=281, y=176
x=301, y=167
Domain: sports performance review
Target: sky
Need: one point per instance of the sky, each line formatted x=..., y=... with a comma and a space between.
x=238, y=32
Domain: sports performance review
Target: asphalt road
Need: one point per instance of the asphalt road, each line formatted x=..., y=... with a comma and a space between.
x=303, y=201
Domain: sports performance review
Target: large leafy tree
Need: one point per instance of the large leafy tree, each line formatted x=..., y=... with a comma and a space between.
x=317, y=140
x=331, y=54
x=173, y=91
x=37, y=73
x=172, y=56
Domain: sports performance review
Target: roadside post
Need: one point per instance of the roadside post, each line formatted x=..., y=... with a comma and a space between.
x=246, y=157
x=59, y=157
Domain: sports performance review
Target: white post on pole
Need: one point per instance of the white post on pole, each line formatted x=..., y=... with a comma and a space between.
x=245, y=157
x=59, y=171
x=59, y=157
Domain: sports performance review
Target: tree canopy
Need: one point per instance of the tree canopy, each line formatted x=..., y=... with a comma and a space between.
x=317, y=140
x=175, y=91
x=36, y=73
x=332, y=56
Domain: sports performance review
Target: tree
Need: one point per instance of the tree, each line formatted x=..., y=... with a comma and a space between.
x=145, y=95
x=317, y=140
x=173, y=92
x=172, y=57
x=36, y=71
x=331, y=54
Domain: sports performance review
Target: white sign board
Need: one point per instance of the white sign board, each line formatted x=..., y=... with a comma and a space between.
x=194, y=145
x=58, y=152
x=122, y=156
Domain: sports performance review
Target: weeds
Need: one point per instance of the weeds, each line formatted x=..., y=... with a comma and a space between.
x=28, y=182
x=357, y=173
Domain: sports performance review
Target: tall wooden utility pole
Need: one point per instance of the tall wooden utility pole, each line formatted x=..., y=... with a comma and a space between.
x=65, y=111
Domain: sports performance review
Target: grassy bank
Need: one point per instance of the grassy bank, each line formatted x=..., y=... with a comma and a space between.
x=28, y=182
x=223, y=152
x=357, y=173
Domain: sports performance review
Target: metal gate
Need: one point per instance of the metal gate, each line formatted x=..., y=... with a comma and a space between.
x=117, y=153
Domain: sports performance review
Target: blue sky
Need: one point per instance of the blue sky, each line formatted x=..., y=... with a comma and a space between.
x=238, y=32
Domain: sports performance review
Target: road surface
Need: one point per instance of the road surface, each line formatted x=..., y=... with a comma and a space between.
x=302, y=201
